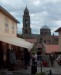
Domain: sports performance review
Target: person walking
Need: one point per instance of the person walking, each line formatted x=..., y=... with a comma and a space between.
x=34, y=64
x=51, y=60
x=26, y=58
x=11, y=59
x=7, y=58
x=1, y=58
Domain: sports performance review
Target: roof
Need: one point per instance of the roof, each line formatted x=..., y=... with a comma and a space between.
x=8, y=14
x=45, y=27
x=31, y=40
x=26, y=9
x=16, y=41
x=55, y=36
x=58, y=30
x=51, y=48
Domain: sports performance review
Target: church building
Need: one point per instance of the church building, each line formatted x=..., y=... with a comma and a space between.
x=44, y=37
x=26, y=30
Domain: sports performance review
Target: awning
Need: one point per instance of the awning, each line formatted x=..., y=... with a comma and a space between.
x=16, y=41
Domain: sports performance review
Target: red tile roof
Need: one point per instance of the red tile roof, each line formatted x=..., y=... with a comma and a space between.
x=31, y=40
x=55, y=36
x=58, y=30
x=51, y=48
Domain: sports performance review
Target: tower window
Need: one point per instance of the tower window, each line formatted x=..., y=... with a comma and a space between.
x=26, y=32
x=25, y=25
x=41, y=32
x=25, y=13
x=26, y=21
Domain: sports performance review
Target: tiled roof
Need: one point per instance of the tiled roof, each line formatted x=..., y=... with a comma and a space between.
x=55, y=36
x=58, y=30
x=31, y=40
x=51, y=48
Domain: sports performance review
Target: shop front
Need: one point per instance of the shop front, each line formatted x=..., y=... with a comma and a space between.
x=17, y=44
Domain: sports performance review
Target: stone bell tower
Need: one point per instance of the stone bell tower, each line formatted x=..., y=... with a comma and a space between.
x=26, y=30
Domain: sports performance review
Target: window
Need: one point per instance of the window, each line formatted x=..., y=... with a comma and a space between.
x=25, y=13
x=40, y=40
x=13, y=28
x=26, y=32
x=6, y=28
x=6, y=24
x=44, y=41
x=25, y=25
x=26, y=21
x=49, y=41
x=41, y=32
x=46, y=33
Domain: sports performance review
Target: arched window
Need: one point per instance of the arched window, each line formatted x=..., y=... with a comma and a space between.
x=26, y=23
x=26, y=32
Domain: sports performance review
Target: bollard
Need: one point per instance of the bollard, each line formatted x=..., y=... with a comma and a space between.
x=50, y=72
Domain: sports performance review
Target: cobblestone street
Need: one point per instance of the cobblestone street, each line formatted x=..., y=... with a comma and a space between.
x=55, y=71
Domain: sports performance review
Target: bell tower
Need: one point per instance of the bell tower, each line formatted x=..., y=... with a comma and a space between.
x=26, y=30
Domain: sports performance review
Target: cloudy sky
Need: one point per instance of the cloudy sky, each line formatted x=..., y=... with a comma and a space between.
x=42, y=12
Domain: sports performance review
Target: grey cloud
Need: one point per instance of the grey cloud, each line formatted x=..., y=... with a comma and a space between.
x=47, y=12
x=54, y=10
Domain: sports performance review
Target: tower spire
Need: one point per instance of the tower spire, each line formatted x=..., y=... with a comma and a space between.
x=26, y=5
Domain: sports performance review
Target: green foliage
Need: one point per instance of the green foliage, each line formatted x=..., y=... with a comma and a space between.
x=33, y=50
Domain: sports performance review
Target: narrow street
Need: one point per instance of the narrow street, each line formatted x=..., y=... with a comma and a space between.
x=55, y=71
